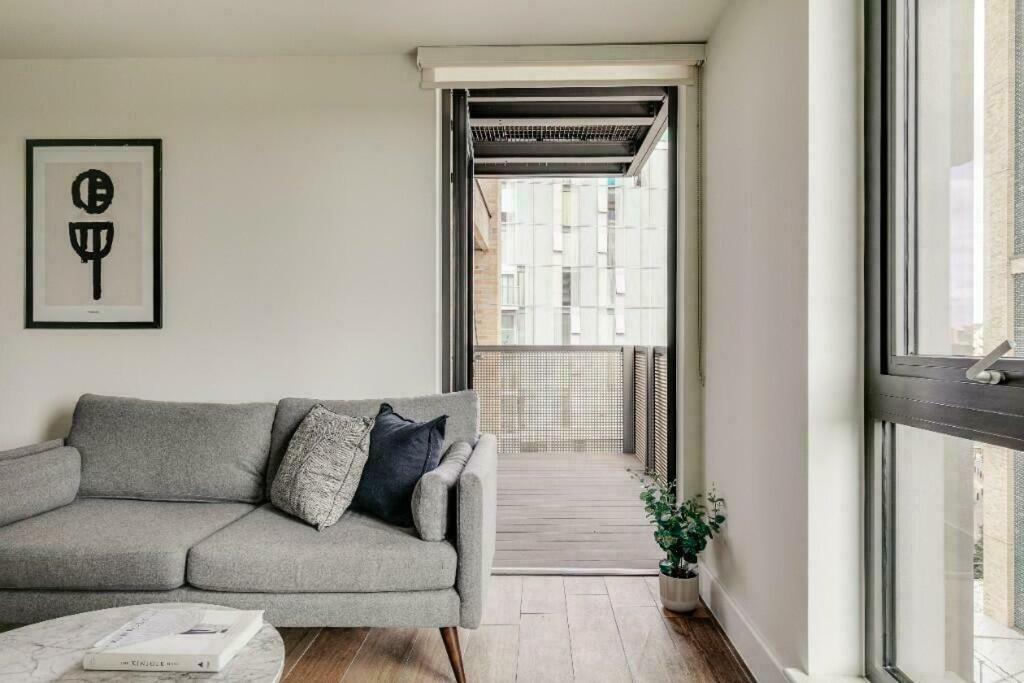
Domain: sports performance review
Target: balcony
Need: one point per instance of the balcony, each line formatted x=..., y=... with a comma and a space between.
x=574, y=425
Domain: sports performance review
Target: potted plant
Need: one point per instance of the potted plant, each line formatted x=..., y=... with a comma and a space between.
x=682, y=529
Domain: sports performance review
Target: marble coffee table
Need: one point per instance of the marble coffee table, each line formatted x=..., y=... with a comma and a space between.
x=52, y=651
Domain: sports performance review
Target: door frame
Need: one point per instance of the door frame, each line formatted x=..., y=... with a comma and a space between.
x=457, y=250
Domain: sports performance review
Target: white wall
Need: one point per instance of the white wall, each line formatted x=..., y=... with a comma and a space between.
x=299, y=232
x=783, y=389
x=835, y=334
x=755, y=436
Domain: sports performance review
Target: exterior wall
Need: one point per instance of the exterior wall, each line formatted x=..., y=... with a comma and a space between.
x=999, y=464
x=292, y=267
x=486, y=263
x=584, y=260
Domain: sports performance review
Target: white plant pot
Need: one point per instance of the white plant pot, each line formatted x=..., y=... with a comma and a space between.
x=679, y=595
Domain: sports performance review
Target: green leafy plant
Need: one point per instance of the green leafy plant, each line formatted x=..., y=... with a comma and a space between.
x=681, y=528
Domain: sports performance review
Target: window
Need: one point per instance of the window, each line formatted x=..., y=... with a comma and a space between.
x=620, y=280
x=612, y=203
x=508, y=289
x=944, y=243
x=509, y=331
x=568, y=206
x=959, y=234
x=512, y=292
x=950, y=596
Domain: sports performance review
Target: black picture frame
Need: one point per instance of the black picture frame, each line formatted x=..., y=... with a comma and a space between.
x=156, y=145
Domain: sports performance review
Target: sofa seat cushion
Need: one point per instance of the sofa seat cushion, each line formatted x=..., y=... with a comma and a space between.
x=102, y=544
x=271, y=552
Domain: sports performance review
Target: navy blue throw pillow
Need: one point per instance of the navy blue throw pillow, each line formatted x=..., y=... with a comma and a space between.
x=401, y=451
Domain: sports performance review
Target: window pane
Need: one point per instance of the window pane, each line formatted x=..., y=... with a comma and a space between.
x=965, y=236
x=959, y=601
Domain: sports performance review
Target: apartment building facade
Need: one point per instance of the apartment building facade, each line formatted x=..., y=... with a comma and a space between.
x=576, y=261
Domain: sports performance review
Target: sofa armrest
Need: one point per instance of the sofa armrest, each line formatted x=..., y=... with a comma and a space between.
x=476, y=521
x=37, y=480
x=30, y=450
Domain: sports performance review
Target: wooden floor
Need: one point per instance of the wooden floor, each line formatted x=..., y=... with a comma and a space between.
x=572, y=511
x=536, y=629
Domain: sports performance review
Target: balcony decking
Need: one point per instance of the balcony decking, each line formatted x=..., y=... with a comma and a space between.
x=572, y=511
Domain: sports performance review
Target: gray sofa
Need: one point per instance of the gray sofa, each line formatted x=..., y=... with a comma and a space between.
x=158, y=502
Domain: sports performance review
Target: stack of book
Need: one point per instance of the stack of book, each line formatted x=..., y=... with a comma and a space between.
x=186, y=639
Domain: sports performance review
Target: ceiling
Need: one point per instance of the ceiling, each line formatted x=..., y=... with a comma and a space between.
x=241, y=28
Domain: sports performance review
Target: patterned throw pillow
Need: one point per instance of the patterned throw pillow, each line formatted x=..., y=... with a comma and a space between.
x=321, y=469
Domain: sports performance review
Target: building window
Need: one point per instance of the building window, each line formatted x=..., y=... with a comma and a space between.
x=568, y=212
x=512, y=288
x=613, y=202
x=509, y=333
x=508, y=289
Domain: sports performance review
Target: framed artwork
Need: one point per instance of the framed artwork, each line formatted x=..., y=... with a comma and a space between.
x=92, y=234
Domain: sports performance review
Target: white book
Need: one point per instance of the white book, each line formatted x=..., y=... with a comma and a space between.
x=187, y=639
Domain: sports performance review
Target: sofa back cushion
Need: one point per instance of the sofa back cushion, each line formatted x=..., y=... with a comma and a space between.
x=461, y=407
x=155, y=450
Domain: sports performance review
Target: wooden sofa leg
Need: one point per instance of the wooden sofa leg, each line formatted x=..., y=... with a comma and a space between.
x=450, y=636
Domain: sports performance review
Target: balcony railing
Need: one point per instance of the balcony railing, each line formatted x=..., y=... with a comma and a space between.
x=576, y=399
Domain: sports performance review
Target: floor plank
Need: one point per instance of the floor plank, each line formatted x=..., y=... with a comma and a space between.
x=296, y=642
x=426, y=659
x=584, y=585
x=490, y=653
x=545, y=652
x=700, y=642
x=382, y=656
x=650, y=649
x=597, y=653
x=628, y=591
x=329, y=656
x=543, y=595
x=504, y=599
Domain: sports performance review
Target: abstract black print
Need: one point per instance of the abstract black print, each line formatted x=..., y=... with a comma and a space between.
x=93, y=233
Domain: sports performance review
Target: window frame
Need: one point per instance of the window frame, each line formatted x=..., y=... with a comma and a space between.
x=902, y=90
x=923, y=391
x=919, y=390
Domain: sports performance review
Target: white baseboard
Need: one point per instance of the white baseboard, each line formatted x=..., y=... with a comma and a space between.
x=745, y=637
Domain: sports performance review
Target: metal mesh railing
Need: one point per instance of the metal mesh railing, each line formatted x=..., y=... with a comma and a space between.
x=660, y=412
x=574, y=399
x=537, y=399
x=640, y=388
